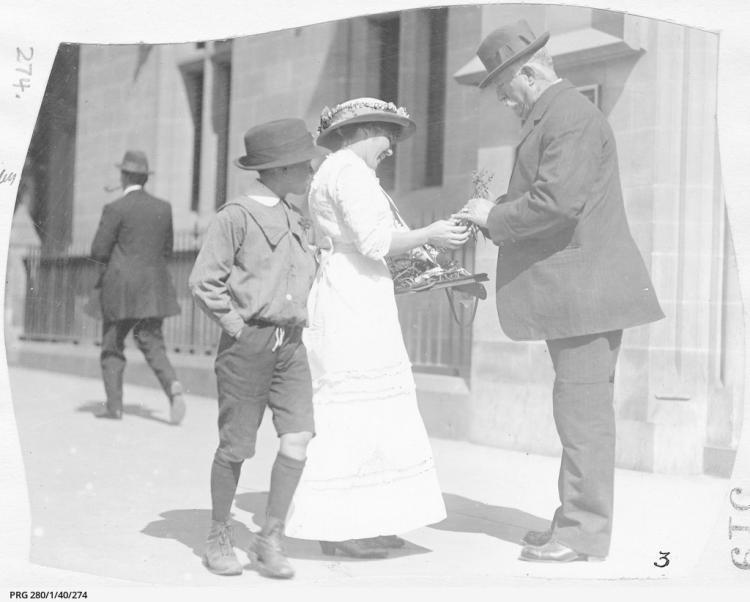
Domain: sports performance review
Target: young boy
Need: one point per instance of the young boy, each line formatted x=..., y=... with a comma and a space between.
x=252, y=276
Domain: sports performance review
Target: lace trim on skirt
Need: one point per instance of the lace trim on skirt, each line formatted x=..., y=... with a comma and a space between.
x=373, y=479
x=364, y=385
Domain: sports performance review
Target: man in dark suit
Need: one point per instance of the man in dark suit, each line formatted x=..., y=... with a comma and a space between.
x=133, y=243
x=568, y=273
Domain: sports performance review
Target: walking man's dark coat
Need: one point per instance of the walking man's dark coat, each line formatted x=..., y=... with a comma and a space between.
x=135, y=240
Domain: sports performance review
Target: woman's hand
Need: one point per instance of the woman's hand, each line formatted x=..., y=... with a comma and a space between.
x=447, y=234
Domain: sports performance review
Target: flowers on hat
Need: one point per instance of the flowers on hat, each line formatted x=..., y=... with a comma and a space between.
x=326, y=116
x=354, y=108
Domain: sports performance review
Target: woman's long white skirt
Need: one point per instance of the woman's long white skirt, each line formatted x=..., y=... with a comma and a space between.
x=370, y=469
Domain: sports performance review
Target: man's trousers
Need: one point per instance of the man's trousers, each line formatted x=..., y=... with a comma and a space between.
x=150, y=340
x=584, y=415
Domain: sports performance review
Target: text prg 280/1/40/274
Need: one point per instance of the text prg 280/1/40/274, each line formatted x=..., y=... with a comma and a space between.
x=48, y=595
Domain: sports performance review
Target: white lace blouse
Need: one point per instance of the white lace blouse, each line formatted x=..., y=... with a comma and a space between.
x=348, y=206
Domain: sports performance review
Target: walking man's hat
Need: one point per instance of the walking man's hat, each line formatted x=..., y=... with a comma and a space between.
x=134, y=161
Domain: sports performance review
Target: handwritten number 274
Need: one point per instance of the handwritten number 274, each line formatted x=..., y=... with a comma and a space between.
x=24, y=57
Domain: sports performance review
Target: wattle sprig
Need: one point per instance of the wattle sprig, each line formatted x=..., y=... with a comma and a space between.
x=480, y=181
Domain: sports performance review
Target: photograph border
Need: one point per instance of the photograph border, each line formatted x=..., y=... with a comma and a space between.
x=45, y=24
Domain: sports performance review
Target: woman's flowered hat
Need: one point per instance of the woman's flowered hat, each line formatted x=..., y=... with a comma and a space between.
x=362, y=110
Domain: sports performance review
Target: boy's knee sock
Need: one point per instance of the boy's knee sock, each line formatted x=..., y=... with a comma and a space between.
x=224, y=478
x=285, y=476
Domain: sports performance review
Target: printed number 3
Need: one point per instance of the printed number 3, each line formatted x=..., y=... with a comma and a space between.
x=664, y=557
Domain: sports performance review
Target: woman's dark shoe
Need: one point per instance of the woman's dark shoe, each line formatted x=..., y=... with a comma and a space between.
x=356, y=548
x=386, y=541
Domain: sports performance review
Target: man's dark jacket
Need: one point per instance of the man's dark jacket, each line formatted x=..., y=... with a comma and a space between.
x=567, y=263
x=134, y=240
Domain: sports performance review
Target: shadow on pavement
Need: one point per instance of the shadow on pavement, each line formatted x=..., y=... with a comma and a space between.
x=255, y=503
x=128, y=409
x=470, y=516
x=190, y=528
x=303, y=549
x=465, y=515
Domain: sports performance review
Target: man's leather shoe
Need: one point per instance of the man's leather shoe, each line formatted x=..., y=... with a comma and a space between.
x=537, y=538
x=554, y=551
x=110, y=414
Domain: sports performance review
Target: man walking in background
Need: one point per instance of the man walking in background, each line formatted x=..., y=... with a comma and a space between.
x=133, y=243
x=568, y=273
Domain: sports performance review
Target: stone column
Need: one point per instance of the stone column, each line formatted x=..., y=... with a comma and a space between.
x=686, y=237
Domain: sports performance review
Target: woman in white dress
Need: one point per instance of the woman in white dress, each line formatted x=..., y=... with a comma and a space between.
x=370, y=471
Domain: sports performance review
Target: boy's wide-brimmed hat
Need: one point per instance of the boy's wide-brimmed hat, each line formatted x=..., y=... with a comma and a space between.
x=506, y=49
x=362, y=110
x=134, y=161
x=277, y=144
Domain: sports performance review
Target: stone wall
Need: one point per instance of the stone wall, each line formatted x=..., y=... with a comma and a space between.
x=679, y=381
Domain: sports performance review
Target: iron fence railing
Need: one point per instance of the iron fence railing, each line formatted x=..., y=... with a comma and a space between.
x=57, y=289
x=60, y=298
x=62, y=305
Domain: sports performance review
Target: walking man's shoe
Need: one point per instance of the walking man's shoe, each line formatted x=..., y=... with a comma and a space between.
x=110, y=414
x=219, y=557
x=554, y=551
x=268, y=552
x=177, y=404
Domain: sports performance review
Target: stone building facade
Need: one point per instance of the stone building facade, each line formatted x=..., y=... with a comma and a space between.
x=679, y=388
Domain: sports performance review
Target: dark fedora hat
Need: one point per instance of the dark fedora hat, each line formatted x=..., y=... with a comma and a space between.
x=277, y=144
x=362, y=110
x=134, y=161
x=508, y=47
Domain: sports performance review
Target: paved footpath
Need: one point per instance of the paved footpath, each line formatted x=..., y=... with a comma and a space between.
x=128, y=503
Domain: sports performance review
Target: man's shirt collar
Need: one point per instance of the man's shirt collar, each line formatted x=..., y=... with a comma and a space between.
x=132, y=188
